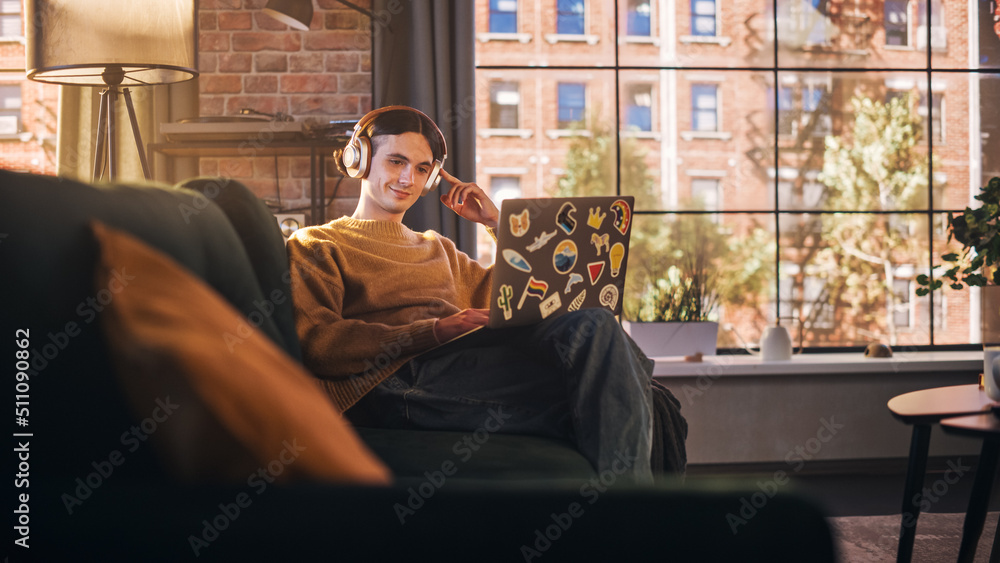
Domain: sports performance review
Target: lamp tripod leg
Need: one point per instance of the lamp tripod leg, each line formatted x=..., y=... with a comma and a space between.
x=136, y=134
x=112, y=138
x=100, y=148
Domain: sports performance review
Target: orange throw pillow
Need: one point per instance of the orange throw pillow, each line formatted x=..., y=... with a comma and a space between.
x=227, y=402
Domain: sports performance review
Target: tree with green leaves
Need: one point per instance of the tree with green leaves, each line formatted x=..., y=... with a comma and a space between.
x=680, y=267
x=877, y=165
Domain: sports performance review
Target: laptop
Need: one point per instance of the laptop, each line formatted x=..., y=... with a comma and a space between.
x=556, y=255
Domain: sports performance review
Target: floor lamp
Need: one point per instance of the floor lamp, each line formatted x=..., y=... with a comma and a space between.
x=114, y=44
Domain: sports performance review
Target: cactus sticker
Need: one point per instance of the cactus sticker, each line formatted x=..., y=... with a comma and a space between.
x=506, y=294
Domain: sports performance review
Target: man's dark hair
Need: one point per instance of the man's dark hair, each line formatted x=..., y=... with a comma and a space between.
x=397, y=122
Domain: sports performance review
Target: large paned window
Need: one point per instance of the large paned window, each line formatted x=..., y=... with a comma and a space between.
x=503, y=16
x=810, y=155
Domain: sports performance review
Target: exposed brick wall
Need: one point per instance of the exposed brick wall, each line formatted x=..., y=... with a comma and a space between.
x=39, y=103
x=249, y=60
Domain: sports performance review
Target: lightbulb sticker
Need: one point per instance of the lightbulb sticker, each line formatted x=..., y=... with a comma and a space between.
x=616, y=254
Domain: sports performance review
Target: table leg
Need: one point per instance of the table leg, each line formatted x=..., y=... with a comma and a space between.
x=917, y=468
x=979, y=500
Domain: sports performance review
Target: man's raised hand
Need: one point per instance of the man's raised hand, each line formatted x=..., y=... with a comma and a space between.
x=469, y=201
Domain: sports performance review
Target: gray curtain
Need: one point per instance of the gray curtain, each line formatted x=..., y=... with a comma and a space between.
x=423, y=57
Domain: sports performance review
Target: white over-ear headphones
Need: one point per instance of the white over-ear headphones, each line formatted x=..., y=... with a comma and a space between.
x=357, y=155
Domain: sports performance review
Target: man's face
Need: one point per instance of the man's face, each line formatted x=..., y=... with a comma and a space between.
x=399, y=170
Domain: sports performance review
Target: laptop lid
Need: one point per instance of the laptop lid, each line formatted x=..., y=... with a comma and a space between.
x=556, y=255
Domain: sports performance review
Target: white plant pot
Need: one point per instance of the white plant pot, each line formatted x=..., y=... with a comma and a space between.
x=674, y=338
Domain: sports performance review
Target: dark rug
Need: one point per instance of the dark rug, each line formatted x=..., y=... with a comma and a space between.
x=875, y=538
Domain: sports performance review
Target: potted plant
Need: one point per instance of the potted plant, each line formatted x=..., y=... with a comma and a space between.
x=976, y=266
x=671, y=318
x=976, y=230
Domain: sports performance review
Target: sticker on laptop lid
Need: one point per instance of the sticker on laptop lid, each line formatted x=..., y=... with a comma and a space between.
x=534, y=288
x=506, y=294
x=600, y=241
x=577, y=301
x=564, y=256
x=595, y=269
x=623, y=215
x=574, y=279
x=565, y=219
x=608, y=296
x=515, y=259
x=541, y=240
x=596, y=217
x=550, y=305
x=520, y=223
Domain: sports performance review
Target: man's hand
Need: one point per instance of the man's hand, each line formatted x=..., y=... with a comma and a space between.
x=469, y=201
x=458, y=324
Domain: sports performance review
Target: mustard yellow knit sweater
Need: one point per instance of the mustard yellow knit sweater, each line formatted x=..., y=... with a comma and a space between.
x=366, y=295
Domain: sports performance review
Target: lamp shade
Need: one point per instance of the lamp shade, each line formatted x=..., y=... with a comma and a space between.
x=297, y=14
x=98, y=42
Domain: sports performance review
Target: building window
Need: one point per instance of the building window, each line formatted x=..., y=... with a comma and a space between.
x=703, y=18
x=705, y=107
x=937, y=31
x=10, y=19
x=705, y=194
x=503, y=16
x=639, y=18
x=10, y=110
x=897, y=31
x=904, y=298
x=505, y=100
x=572, y=104
x=639, y=107
x=935, y=122
x=504, y=187
x=570, y=17
x=802, y=109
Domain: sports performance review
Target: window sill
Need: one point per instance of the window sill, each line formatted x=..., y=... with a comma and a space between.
x=557, y=133
x=519, y=37
x=710, y=39
x=642, y=40
x=817, y=364
x=522, y=133
x=714, y=135
x=553, y=38
x=642, y=135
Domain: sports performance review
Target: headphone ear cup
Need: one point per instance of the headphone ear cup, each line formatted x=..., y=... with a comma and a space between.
x=433, y=179
x=357, y=157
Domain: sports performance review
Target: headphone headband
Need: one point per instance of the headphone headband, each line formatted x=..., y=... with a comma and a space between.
x=357, y=154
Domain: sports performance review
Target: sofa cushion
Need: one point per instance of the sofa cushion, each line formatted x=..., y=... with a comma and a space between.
x=47, y=255
x=228, y=401
x=264, y=245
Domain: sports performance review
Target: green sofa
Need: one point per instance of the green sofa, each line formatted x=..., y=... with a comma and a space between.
x=504, y=498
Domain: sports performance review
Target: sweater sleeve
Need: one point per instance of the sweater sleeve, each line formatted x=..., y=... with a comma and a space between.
x=337, y=348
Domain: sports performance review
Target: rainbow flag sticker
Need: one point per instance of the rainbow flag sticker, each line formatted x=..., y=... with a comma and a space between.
x=534, y=288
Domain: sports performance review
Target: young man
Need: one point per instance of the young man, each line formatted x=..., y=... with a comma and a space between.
x=377, y=306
